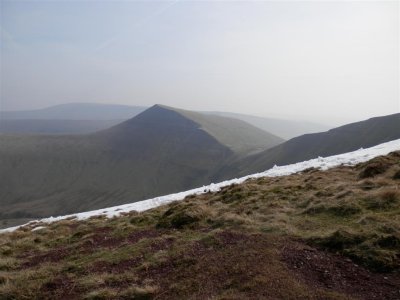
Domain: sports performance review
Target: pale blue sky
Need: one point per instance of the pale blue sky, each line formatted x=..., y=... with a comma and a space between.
x=323, y=61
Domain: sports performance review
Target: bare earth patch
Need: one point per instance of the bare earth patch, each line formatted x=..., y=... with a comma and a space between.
x=51, y=256
x=326, y=270
x=229, y=265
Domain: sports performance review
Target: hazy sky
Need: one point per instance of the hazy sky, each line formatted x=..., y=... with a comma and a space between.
x=323, y=61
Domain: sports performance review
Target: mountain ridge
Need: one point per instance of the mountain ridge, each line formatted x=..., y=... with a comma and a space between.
x=342, y=139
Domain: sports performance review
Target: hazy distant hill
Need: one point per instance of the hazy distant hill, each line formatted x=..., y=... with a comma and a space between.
x=44, y=126
x=162, y=150
x=286, y=129
x=91, y=117
x=76, y=111
x=335, y=141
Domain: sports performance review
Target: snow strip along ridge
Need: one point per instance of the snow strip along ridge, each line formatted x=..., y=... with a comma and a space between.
x=323, y=163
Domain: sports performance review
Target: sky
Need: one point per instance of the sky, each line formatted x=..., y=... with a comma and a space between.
x=327, y=62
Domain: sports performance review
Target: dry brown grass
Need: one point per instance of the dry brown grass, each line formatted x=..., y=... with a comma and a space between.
x=217, y=245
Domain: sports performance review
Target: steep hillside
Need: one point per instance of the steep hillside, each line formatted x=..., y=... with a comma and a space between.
x=239, y=136
x=313, y=235
x=338, y=140
x=286, y=129
x=158, y=152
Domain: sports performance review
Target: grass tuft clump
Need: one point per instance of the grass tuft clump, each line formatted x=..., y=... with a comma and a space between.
x=391, y=241
x=139, y=293
x=341, y=209
x=7, y=263
x=379, y=253
x=377, y=259
x=339, y=240
x=383, y=200
x=373, y=169
x=183, y=215
x=396, y=175
x=101, y=294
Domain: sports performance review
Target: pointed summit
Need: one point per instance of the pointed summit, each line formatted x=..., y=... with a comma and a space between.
x=240, y=137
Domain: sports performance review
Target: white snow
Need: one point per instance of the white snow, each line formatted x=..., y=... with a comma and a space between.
x=322, y=163
x=38, y=228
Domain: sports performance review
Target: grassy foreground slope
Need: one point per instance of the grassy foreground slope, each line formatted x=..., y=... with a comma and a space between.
x=315, y=235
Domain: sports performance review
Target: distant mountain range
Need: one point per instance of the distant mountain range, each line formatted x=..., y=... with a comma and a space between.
x=76, y=111
x=48, y=126
x=81, y=118
x=161, y=150
x=74, y=118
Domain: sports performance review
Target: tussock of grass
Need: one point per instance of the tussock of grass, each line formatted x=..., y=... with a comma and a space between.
x=373, y=169
x=101, y=294
x=340, y=240
x=181, y=215
x=140, y=293
x=383, y=200
x=8, y=263
x=342, y=209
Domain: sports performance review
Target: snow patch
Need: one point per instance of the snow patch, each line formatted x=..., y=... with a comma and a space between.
x=323, y=163
x=38, y=228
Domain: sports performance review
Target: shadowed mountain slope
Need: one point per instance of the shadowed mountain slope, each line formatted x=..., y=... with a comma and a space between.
x=159, y=151
x=335, y=141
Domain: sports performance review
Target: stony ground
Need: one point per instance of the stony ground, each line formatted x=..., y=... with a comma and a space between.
x=315, y=235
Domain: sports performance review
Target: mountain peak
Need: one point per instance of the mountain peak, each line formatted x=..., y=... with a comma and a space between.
x=239, y=136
